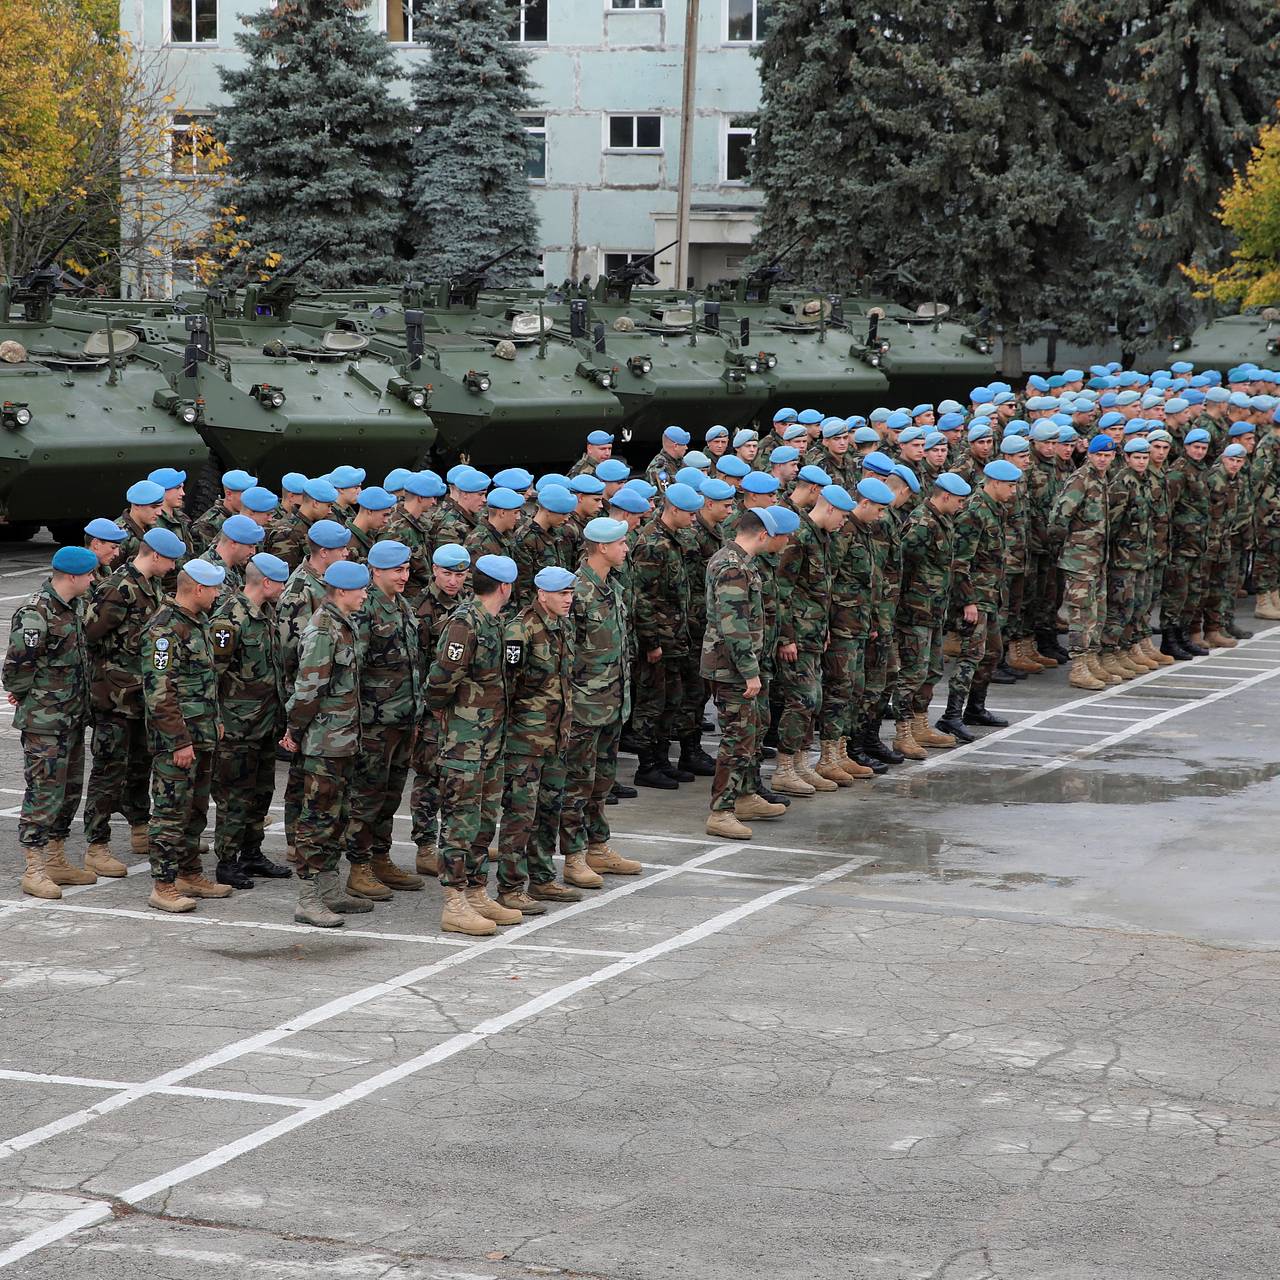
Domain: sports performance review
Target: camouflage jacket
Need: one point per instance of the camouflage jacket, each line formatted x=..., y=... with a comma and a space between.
x=1043, y=483
x=662, y=470
x=979, y=559
x=466, y=688
x=358, y=547
x=205, y=528
x=391, y=663
x=804, y=586
x=1224, y=494
x=413, y=531
x=288, y=539
x=770, y=442
x=538, y=653
x=1188, y=507
x=246, y=653
x=583, y=466
x=1157, y=479
x=702, y=541
x=734, y=636
x=660, y=576
x=536, y=549
x=179, y=683
x=233, y=582
x=302, y=596
x=886, y=545
x=1129, y=520
x=928, y=550
x=179, y=524
x=844, y=469
x=450, y=523
x=324, y=709
x=1015, y=531
x=129, y=547
x=485, y=540
x=113, y=628
x=433, y=608
x=1080, y=523
x=47, y=666
x=855, y=580
x=601, y=665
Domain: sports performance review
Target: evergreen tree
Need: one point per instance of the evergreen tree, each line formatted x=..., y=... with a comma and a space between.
x=468, y=193
x=316, y=139
x=928, y=151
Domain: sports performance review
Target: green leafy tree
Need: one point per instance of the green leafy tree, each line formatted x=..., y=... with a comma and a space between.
x=317, y=141
x=468, y=192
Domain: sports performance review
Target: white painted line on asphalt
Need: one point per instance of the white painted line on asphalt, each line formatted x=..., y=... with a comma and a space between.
x=1053, y=728
x=331, y=1009
x=1139, y=706
x=1201, y=675
x=1016, y=755
x=1089, y=715
x=478, y=1034
x=18, y=573
x=217, y=1095
x=732, y=875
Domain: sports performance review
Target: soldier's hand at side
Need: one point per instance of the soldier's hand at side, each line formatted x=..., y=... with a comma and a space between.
x=753, y=687
x=184, y=757
x=221, y=732
x=653, y=655
x=788, y=652
x=971, y=614
x=13, y=702
x=287, y=741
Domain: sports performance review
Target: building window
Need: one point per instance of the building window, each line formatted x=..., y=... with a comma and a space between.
x=745, y=20
x=635, y=4
x=400, y=21
x=193, y=21
x=738, y=139
x=530, y=23
x=190, y=144
x=635, y=133
x=535, y=165
x=614, y=262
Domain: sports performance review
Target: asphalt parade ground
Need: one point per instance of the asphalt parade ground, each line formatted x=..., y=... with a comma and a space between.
x=1007, y=1014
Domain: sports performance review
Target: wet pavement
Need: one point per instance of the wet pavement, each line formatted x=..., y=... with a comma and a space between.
x=1005, y=1015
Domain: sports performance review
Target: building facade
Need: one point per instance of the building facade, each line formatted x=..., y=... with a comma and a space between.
x=608, y=77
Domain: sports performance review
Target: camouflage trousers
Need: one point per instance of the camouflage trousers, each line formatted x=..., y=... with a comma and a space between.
x=1013, y=620
x=694, y=704
x=1217, y=595
x=1085, y=596
x=881, y=675
x=532, y=805
x=591, y=764
x=1124, y=588
x=470, y=797
x=740, y=732
x=1183, y=588
x=377, y=784
x=1266, y=560
x=843, y=676
x=179, y=812
x=244, y=780
x=53, y=771
x=658, y=699
x=323, y=813
x=799, y=686
x=980, y=650
x=1040, y=596
x=293, y=799
x=424, y=800
x=120, y=775
x=919, y=667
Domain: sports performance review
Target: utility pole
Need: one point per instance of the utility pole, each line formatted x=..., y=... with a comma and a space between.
x=685, y=180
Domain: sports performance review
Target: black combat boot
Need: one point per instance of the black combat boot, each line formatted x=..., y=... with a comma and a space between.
x=1047, y=643
x=620, y=791
x=951, y=721
x=1171, y=644
x=1195, y=650
x=976, y=711
x=1236, y=631
x=629, y=744
x=258, y=864
x=234, y=874
x=1005, y=674
x=651, y=773
x=878, y=749
x=771, y=796
x=674, y=771
x=856, y=748
x=694, y=760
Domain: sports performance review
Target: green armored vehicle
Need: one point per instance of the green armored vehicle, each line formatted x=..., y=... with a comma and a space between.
x=1221, y=344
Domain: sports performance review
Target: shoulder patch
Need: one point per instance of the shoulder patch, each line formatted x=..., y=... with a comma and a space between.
x=223, y=639
x=453, y=651
x=513, y=651
x=31, y=638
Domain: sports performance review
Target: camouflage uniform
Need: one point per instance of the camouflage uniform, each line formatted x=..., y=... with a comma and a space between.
x=1157, y=479
x=234, y=579
x=434, y=607
x=881, y=668
x=1264, y=480
x=661, y=471
x=413, y=531
x=246, y=655
x=538, y=653
x=324, y=720
x=485, y=540
x=47, y=670
x=1016, y=563
x=113, y=628
x=661, y=581
x=1080, y=525
x=804, y=601
x=450, y=523
x=180, y=691
x=205, y=528
x=1188, y=523
x=854, y=583
x=131, y=545
x=537, y=548
x=978, y=580
x=1218, y=591
x=466, y=689
x=288, y=539
x=703, y=542
x=1128, y=557
x=601, y=702
x=390, y=702
x=928, y=550
x=360, y=544
x=730, y=657
x=1040, y=601
x=302, y=596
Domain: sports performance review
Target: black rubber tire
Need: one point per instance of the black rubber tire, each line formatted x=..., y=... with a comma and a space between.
x=19, y=531
x=206, y=489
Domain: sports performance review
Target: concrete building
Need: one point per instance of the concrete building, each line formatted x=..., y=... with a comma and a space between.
x=609, y=75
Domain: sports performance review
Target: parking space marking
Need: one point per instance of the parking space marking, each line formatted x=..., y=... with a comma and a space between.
x=216, y=1095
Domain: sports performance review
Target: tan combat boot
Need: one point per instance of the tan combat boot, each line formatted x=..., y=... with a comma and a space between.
x=1093, y=660
x=393, y=877
x=59, y=870
x=926, y=735
x=754, y=806
x=1164, y=659
x=35, y=880
x=195, y=884
x=1125, y=659
x=786, y=780
x=807, y=774
x=722, y=823
x=478, y=900
x=362, y=883
x=311, y=909
x=850, y=767
x=1266, y=605
x=553, y=892
x=1134, y=656
x=578, y=874
x=140, y=839
x=459, y=916
x=1216, y=638
x=165, y=896
x=606, y=861
x=1033, y=649
x=1017, y=660
x=98, y=859
x=904, y=741
x=1113, y=666
x=1197, y=636
x=519, y=900
x=828, y=766
x=293, y=857
x=1081, y=677
x=427, y=862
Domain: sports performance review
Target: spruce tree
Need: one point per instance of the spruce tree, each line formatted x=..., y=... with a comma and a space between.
x=316, y=139
x=468, y=192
